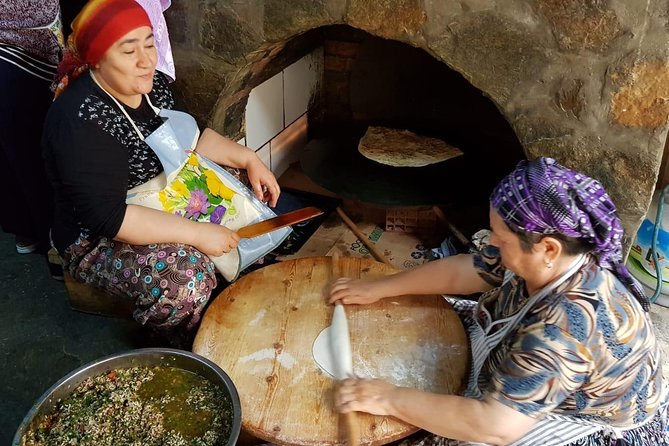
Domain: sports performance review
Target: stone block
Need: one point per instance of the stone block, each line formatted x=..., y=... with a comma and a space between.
x=642, y=99
x=176, y=18
x=392, y=19
x=570, y=97
x=286, y=19
x=225, y=35
x=87, y=299
x=579, y=25
x=199, y=83
x=494, y=53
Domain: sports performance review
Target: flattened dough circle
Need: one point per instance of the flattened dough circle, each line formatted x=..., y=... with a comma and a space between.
x=323, y=353
x=332, y=347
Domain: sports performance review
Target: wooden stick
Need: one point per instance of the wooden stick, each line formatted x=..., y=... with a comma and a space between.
x=334, y=269
x=455, y=231
x=352, y=431
x=363, y=238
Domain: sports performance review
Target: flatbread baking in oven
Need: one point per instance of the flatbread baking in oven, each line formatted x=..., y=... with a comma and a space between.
x=402, y=148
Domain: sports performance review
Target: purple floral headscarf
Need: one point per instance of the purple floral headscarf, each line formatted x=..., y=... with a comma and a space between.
x=544, y=197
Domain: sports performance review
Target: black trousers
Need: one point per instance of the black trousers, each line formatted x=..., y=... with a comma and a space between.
x=27, y=205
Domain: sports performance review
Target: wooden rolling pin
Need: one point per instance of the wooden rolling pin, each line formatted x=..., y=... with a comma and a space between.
x=349, y=418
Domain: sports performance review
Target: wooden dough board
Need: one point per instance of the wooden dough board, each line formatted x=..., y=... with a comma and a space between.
x=260, y=330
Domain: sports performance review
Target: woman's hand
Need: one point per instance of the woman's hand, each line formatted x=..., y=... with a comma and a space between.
x=215, y=240
x=353, y=291
x=225, y=152
x=365, y=395
x=263, y=182
x=142, y=225
x=481, y=421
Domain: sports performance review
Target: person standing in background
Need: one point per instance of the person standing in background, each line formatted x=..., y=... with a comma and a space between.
x=68, y=11
x=30, y=47
x=154, y=9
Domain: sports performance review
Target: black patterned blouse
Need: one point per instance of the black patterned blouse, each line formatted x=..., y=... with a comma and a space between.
x=94, y=156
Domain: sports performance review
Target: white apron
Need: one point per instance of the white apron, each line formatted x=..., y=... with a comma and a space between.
x=553, y=429
x=173, y=143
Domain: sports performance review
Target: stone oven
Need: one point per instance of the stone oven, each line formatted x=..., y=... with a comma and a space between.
x=583, y=81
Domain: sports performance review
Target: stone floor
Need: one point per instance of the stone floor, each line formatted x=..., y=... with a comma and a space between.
x=42, y=339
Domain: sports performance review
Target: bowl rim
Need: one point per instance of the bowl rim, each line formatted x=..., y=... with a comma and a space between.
x=230, y=387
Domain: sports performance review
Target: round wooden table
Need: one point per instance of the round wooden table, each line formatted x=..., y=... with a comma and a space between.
x=260, y=330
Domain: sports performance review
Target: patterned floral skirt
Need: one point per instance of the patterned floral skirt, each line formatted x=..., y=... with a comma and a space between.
x=169, y=283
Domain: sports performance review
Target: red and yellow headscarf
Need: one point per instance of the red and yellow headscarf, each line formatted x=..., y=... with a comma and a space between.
x=97, y=27
x=101, y=23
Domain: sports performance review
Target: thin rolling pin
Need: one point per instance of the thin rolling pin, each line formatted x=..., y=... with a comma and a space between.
x=456, y=232
x=363, y=237
x=349, y=418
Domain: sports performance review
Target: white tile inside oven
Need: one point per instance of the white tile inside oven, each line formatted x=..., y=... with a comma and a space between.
x=264, y=112
x=287, y=145
x=301, y=81
x=265, y=155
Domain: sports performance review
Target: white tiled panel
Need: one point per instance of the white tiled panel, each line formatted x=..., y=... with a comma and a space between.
x=287, y=145
x=264, y=112
x=301, y=80
x=265, y=155
x=242, y=141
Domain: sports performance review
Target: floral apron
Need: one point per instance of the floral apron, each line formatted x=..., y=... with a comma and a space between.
x=173, y=143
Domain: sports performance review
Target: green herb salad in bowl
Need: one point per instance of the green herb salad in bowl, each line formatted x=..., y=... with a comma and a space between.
x=152, y=396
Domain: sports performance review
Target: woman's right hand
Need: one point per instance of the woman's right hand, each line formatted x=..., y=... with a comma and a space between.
x=353, y=291
x=215, y=240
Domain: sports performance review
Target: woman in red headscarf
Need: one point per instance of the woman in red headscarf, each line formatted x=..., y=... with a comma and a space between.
x=98, y=140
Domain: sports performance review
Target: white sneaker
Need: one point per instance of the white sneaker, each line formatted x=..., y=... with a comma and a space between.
x=24, y=245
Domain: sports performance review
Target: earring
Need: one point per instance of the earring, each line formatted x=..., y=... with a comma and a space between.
x=548, y=263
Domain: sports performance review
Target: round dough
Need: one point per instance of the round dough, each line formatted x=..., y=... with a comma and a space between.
x=332, y=347
x=322, y=352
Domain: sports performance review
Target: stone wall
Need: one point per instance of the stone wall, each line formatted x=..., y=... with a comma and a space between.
x=584, y=81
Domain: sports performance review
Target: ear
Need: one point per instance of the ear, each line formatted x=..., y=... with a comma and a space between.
x=551, y=247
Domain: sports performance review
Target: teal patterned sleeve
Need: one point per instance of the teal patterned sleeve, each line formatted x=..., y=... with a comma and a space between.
x=488, y=265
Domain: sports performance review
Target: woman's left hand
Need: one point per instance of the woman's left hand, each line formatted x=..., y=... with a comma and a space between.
x=263, y=182
x=226, y=152
x=365, y=395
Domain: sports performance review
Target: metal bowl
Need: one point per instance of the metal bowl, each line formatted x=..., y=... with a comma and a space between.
x=166, y=357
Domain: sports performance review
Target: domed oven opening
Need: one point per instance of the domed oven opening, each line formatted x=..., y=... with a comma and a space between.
x=581, y=82
x=370, y=82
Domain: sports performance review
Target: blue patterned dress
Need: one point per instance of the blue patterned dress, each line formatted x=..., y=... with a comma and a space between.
x=587, y=350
